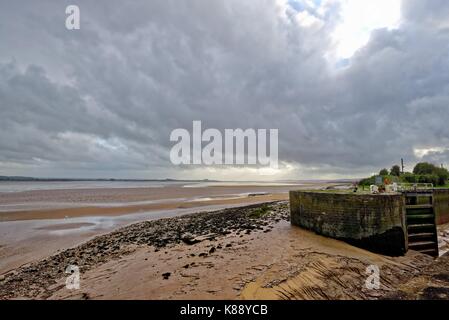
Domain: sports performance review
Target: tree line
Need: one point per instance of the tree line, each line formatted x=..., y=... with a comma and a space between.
x=423, y=172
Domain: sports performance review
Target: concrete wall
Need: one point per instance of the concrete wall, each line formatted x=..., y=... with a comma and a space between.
x=373, y=222
x=441, y=205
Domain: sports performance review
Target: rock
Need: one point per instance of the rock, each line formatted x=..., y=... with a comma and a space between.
x=212, y=250
x=203, y=254
x=30, y=270
x=189, y=239
x=166, y=275
x=228, y=245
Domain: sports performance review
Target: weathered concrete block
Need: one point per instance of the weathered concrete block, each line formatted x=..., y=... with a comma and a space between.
x=373, y=222
x=441, y=205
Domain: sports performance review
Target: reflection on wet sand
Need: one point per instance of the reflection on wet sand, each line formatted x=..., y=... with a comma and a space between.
x=36, y=221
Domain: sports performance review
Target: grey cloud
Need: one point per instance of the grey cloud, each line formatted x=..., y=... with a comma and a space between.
x=107, y=97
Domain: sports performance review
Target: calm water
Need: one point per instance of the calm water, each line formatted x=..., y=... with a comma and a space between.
x=18, y=186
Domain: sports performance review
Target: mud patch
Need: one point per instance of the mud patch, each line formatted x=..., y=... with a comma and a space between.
x=327, y=277
x=442, y=277
x=435, y=293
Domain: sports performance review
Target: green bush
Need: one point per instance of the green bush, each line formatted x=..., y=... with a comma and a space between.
x=395, y=171
x=372, y=180
x=428, y=178
x=443, y=176
x=422, y=173
x=367, y=182
x=409, y=177
x=430, y=172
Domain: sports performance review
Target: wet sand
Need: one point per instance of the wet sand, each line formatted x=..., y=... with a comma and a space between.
x=431, y=284
x=25, y=241
x=443, y=238
x=127, y=208
x=296, y=264
x=38, y=222
x=159, y=252
x=240, y=253
x=113, y=201
x=132, y=196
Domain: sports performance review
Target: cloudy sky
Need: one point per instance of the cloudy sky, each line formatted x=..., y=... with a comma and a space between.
x=351, y=85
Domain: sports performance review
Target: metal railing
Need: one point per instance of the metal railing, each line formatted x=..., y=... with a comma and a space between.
x=414, y=186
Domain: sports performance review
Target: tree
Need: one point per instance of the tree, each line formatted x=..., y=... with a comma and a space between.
x=424, y=168
x=395, y=171
x=383, y=172
x=443, y=175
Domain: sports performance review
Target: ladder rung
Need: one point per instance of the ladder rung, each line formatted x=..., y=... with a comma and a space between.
x=429, y=250
x=422, y=243
x=421, y=235
x=420, y=216
x=419, y=206
x=421, y=225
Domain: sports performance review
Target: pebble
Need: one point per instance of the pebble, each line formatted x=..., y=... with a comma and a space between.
x=166, y=275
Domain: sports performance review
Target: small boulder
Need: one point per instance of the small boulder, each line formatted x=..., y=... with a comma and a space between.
x=189, y=239
x=166, y=275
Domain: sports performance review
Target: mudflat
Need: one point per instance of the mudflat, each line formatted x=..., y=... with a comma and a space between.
x=38, y=219
x=249, y=252
x=72, y=203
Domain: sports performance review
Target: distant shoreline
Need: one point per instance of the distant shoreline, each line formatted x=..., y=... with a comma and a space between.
x=34, y=179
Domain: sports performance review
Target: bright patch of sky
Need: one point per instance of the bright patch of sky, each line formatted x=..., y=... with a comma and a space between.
x=422, y=152
x=358, y=19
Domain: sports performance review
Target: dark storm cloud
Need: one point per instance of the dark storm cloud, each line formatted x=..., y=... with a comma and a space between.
x=106, y=97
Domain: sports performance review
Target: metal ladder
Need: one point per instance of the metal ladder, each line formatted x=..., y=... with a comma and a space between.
x=421, y=225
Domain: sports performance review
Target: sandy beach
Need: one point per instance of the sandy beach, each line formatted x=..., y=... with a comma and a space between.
x=39, y=218
x=239, y=253
x=60, y=203
x=177, y=242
